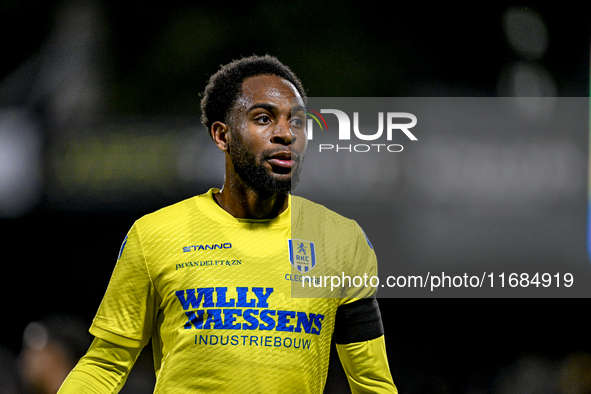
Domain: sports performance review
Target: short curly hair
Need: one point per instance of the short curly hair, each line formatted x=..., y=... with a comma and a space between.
x=225, y=86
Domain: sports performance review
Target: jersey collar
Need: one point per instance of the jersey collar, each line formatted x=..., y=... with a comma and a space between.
x=210, y=207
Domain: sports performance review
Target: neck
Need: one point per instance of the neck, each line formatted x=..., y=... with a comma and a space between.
x=245, y=202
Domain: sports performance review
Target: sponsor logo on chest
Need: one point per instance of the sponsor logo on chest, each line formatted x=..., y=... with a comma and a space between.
x=195, y=248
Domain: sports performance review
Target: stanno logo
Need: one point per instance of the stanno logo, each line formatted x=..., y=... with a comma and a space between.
x=194, y=248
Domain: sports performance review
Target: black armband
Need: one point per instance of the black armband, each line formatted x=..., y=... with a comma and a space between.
x=358, y=321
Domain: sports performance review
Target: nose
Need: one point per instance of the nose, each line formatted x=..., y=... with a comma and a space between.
x=283, y=134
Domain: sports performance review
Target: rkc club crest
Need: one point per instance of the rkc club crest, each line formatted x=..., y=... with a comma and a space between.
x=302, y=254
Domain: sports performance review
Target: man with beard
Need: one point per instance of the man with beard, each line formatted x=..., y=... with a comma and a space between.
x=209, y=279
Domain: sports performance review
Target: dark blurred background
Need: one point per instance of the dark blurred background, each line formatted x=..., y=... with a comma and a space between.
x=99, y=124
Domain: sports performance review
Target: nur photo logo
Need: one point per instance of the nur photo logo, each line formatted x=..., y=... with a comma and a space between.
x=389, y=125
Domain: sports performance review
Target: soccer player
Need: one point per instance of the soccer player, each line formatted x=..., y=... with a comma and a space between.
x=209, y=279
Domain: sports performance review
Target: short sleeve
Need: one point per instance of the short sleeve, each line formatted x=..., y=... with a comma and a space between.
x=362, y=269
x=127, y=312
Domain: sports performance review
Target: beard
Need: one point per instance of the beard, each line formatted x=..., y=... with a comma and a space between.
x=251, y=170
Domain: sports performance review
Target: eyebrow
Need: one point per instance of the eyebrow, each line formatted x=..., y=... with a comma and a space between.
x=271, y=107
x=268, y=107
x=298, y=108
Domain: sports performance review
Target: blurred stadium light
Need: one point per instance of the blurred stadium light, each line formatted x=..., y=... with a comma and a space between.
x=21, y=161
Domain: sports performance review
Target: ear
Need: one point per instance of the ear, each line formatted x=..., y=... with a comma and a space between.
x=220, y=133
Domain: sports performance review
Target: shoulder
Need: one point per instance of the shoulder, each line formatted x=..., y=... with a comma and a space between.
x=310, y=208
x=308, y=212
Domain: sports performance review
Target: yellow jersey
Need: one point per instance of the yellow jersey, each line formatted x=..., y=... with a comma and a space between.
x=221, y=299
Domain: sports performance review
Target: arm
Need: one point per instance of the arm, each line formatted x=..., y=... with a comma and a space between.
x=359, y=336
x=102, y=370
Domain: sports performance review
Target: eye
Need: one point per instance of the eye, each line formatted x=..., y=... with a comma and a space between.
x=297, y=122
x=263, y=119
